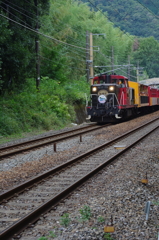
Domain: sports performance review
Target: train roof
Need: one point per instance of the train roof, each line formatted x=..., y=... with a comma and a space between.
x=113, y=74
x=150, y=82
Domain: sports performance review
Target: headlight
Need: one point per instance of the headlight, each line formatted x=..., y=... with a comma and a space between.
x=111, y=88
x=94, y=89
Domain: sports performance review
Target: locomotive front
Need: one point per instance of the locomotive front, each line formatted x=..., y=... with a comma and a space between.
x=105, y=94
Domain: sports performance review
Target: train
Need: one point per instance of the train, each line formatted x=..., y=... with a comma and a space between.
x=113, y=98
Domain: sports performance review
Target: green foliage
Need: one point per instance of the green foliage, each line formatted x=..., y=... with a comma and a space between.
x=156, y=203
x=131, y=16
x=17, y=43
x=147, y=55
x=101, y=219
x=65, y=220
x=108, y=236
x=50, y=108
x=85, y=216
x=68, y=21
x=85, y=213
x=43, y=238
x=50, y=236
x=63, y=66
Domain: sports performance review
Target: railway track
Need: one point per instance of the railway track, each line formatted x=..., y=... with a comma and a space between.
x=39, y=142
x=24, y=204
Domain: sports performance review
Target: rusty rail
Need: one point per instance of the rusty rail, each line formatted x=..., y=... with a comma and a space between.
x=56, y=137
x=33, y=216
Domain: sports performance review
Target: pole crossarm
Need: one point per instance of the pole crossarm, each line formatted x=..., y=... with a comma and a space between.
x=114, y=66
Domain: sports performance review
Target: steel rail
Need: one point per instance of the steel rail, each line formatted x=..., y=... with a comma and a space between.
x=33, y=216
x=46, y=142
x=22, y=187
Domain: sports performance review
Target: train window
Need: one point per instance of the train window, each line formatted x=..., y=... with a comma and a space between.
x=121, y=83
x=114, y=81
x=95, y=81
x=101, y=81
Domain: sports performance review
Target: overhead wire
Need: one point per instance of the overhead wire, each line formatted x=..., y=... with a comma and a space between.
x=129, y=75
x=124, y=65
x=114, y=70
x=32, y=4
x=147, y=9
x=39, y=33
x=62, y=63
x=115, y=10
x=61, y=42
x=64, y=53
x=19, y=12
x=21, y=7
x=154, y=4
x=17, y=17
x=76, y=41
x=121, y=69
x=68, y=37
x=108, y=58
x=114, y=24
x=70, y=49
x=108, y=18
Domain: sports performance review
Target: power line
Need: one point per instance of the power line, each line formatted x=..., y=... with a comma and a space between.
x=114, y=70
x=31, y=4
x=107, y=18
x=70, y=50
x=31, y=18
x=154, y=4
x=129, y=75
x=17, y=11
x=121, y=71
x=54, y=39
x=64, y=53
x=76, y=41
x=21, y=8
x=147, y=9
x=17, y=17
x=68, y=37
x=62, y=64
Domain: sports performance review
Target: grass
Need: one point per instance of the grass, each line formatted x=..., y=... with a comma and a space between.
x=65, y=220
x=85, y=216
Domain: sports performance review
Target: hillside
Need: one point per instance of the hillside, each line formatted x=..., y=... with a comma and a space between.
x=139, y=18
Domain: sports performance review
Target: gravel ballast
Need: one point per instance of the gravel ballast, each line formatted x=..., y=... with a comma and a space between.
x=117, y=191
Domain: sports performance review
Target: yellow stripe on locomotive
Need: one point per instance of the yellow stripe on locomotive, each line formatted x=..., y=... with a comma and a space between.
x=135, y=86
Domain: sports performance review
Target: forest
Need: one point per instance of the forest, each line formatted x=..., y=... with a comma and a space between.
x=137, y=17
x=44, y=48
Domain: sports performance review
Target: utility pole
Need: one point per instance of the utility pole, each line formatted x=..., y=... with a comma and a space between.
x=137, y=71
x=112, y=60
x=87, y=55
x=91, y=58
x=129, y=67
x=37, y=49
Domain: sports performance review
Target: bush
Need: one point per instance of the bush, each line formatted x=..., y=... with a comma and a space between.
x=50, y=108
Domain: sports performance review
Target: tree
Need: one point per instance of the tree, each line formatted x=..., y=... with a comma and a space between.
x=139, y=18
x=18, y=43
x=148, y=56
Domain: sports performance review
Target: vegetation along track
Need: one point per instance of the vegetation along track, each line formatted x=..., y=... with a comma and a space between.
x=35, y=143
x=23, y=205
